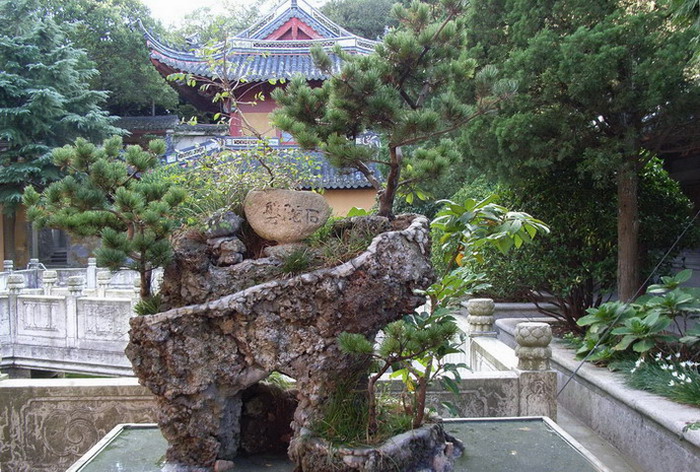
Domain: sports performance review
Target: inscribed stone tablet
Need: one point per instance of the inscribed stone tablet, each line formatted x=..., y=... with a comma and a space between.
x=285, y=216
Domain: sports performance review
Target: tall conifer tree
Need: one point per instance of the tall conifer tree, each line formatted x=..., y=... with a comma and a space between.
x=603, y=88
x=45, y=101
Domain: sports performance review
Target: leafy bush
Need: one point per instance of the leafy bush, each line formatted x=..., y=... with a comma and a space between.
x=575, y=266
x=616, y=330
x=218, y=183
x=414, y=348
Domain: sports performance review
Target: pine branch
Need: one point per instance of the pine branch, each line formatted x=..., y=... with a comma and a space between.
x=449, y=129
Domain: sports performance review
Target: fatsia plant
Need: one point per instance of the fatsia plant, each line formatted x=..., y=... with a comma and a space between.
x=643, y=326
x=470, y=226
x=109, y=192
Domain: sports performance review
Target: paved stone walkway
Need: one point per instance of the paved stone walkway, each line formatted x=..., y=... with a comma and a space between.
x=598, y=446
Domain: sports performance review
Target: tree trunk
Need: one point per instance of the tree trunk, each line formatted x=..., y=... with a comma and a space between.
x=145, y=289
x=627, y=231
x=386, y=198
x=421, y=393
x=8, y=230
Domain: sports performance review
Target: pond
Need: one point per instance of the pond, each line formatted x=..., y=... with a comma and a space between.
x=492, y=445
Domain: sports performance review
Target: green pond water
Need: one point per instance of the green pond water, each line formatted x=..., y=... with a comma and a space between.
x=523, y=445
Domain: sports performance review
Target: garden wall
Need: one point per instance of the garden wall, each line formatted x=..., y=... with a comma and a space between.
x=643, y=426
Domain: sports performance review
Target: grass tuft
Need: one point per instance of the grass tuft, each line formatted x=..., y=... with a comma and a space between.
x=666, y=376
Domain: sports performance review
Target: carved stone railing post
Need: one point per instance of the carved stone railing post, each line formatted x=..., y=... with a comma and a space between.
x=92, y=273
x=76, y=285
x=49, y=278
x=15, y=284
x=480, y=317
x=3, y=376
x=8, y=266
x=137, y=292
x=533, y=349
x=103, y=279
x=538, y=383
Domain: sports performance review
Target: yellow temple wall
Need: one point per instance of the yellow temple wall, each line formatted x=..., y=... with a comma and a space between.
x=342, y=200
x=21, y=239
x=261, y=123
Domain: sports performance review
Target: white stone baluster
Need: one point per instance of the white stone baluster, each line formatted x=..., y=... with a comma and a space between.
x=103, y=279
x=533, y=349
x=92, y=273
x=8, y=266
x=137, y=292
x=49, y=278
x=480, y=317
x=15, y=284
x=76, y=285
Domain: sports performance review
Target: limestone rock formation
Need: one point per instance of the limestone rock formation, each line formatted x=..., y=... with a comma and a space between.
x=198, y=359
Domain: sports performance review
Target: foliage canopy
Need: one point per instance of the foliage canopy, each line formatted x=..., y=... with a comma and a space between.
x=110, y=193
x=411, y=92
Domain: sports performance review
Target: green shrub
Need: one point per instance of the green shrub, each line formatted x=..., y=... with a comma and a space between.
x=617, y=330
x=575, y=266
x=220, y=182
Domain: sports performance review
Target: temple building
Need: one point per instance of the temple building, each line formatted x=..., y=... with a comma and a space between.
x=253, y=63
x=257, y=60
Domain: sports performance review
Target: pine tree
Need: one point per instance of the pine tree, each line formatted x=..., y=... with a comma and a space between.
x=416, y=90
x=45, y=101
x=603, y=88
x=114, y=195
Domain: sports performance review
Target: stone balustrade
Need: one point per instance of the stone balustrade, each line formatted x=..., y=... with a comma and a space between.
x=71, y=328
x=536, y=384
x=501, y=383
x=35, y=275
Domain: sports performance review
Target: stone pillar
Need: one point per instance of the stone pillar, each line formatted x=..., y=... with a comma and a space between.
x=137, y=292
x=76, y=285
x=533, y=349
x=8, y=266
x=50, y=278
x=103, y=279
x=480, y=317
x=92, y=273
x=537, y=382
x=15, y=284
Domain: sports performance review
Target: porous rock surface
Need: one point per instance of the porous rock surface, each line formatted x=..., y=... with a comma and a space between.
x=428, y=448
x=198, y=359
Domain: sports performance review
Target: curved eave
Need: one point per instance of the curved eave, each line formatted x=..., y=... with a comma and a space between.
x=253, y=67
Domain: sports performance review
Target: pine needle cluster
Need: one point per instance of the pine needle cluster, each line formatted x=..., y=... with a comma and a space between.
x=416, y=90
x=110, y=192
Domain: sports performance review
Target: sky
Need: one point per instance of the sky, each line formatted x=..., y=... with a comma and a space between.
x=171, y=12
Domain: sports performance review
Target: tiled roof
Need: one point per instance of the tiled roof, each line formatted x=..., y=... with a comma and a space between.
x=147, y=123
x=325, y=175
x=255, y=67
x=252, y=57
